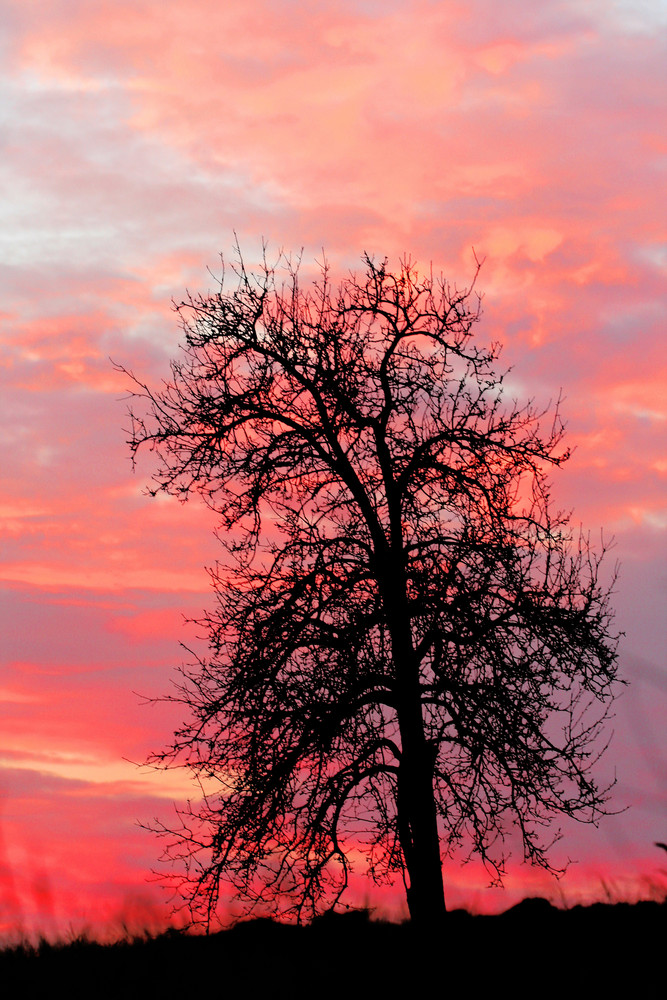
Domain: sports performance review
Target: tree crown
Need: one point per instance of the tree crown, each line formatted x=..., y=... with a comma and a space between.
x=398, y=606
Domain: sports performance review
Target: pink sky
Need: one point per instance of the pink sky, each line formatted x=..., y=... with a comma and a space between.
x=136, y=138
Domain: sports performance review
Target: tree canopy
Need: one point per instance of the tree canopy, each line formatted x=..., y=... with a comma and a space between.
x=410, y=651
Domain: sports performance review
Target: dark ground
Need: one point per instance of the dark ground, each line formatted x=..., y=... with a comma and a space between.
x=532, y=950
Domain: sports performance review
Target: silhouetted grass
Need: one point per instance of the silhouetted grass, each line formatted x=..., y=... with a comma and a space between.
x=532, y=950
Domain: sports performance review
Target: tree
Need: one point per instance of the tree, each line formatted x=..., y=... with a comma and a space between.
x=410, y=652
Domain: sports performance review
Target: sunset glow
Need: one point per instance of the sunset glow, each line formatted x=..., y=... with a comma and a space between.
x=138, y=137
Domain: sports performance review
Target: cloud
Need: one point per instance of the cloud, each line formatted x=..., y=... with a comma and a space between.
x=136, y=137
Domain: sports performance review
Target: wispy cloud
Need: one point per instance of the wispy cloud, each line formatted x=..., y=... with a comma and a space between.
x=136, y=137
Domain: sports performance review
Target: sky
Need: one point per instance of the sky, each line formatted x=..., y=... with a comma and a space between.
x=137, y=138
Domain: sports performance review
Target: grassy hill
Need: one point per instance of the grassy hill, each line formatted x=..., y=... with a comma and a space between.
x=532, y=950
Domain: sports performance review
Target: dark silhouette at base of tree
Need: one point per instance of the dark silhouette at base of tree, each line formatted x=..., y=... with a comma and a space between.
x=410, y=652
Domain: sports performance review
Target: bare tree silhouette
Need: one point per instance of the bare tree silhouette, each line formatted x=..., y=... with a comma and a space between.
x=410, y=651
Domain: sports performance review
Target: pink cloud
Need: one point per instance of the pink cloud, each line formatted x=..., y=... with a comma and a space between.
x=138, y=135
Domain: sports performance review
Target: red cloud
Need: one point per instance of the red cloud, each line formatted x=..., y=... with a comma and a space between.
x=138, y=136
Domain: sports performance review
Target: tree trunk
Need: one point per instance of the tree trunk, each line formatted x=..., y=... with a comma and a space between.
x=415, y=805
x=418, y=832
